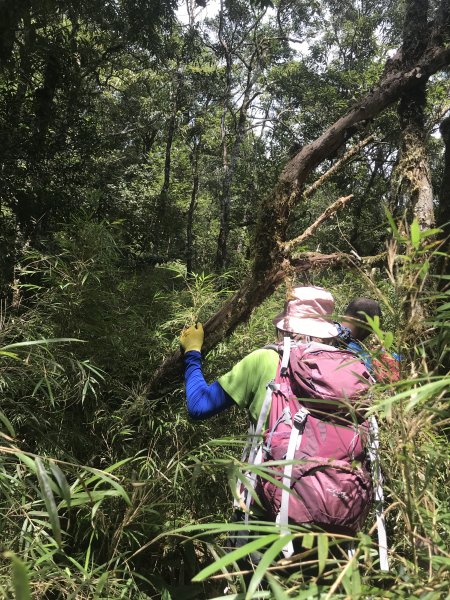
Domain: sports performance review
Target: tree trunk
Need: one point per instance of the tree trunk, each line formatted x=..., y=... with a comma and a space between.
x=224, y=196
x=415, y=193
x=10, y=15
x=229, y=170
x=270, y=263
x=443, y=212
x=163, y=198
x=170, y=135
x=43, y=100
x=230, y=161
x=192, y=205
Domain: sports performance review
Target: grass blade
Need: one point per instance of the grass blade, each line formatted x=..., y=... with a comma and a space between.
x=49, y=500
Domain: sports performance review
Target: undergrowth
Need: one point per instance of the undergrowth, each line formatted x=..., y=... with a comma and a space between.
x=105, y=494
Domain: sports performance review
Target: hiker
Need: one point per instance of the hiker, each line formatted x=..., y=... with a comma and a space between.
x=306, y=317
x=355, y=329
x=306, y=400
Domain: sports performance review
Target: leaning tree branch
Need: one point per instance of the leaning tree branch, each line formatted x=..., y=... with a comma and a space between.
x=391, y=87
x=337, y=165
x=311, y=230
x=306, y=261
x=270, y=262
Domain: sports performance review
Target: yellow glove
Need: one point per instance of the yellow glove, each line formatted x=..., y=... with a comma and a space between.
x=192, y=338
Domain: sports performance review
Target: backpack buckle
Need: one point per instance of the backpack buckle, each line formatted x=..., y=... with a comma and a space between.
x=274, y=387
x=300, y=418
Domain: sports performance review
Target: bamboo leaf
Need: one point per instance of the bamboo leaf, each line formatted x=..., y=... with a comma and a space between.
x=308, y=541
x=346, y=582
x=322, y=550
x=311, y=592
x=277, y=591
x=29, y=462
x=100, y=585
x=20, y=577
x=102, y=477
x=415, y=234
x=356, y=580
x=268, y=557
x=392, y=224
x=429, y=232
x=82, y=498
x=61, y=481
x=235, y=555
x=49, y=500
x=6, y=422
x=42, y=342
x=9, y=354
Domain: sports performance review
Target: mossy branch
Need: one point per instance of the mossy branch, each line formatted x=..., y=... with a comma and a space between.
x=311, y=230
x=353, y=151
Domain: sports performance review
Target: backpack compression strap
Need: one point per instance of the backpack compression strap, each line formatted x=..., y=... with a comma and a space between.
x=372, y=448
x=295, y=439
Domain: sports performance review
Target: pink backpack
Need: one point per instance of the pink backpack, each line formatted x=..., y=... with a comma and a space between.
x=313, y=413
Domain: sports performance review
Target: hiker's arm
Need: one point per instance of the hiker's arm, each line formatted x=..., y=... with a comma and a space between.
x=203, y=400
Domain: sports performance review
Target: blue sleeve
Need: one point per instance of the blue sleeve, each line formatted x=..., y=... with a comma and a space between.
x=203, y=400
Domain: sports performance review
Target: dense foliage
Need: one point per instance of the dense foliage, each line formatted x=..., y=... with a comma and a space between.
x=138, y=148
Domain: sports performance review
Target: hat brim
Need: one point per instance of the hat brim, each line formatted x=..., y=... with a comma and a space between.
x=315, y=327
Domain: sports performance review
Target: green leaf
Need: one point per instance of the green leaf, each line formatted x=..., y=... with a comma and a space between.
x=9, y=354
x=308, y=541
x=392, y=224
x=100, y=585
x=427, y=232
x=102, y=477
x=347, y=583
x=49, y=500
x=277, y=591
x=311, y=592
x=29, y=462
x=236, y=555
x=6, y=422
x=415, y=234
x=388, y=340
x=417, y=395
x=82, y=498
x=20, y=577
x=268, y=557
x=424, y=269
x=61, y=481
x=356, y=580
x=42, y=342
x=322, y=550
x=443, y=307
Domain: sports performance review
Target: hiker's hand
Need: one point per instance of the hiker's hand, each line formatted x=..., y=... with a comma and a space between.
x=192, y=338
